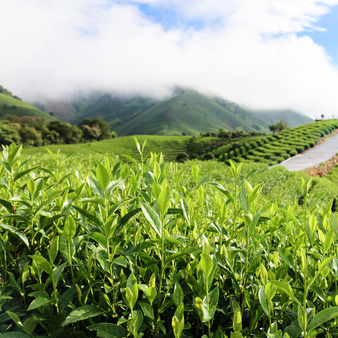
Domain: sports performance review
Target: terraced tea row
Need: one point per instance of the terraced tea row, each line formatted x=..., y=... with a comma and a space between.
x=278, y=147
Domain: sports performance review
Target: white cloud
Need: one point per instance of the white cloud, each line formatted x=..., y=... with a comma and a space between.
x=246, y=51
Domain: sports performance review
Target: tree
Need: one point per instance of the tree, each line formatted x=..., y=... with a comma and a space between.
x=9, y=133
x=30, y=136
x=278, y=126
x=65, y=131
x=95, y=129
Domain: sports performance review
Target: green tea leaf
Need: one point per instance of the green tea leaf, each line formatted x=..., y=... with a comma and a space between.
x=163, y=200
x=237, y=319
x=15, y=283
x=15, y=232
x=38, y=302
x=14, y=335
x=177, y=321
x=110, y=329
x=206, y=264
x=243, y=198
x=286, y=288
x=7, y=205
x=102, y=176
x=178, y=295
x=262, y=300
x=82, y=313
x=23, y=173
x=132, y=290
x=329, y=236
x=57, y=272
x=152, y=217
x=42, y=263
x=70, y=227
x=322, y=317
x=147, y=309
x=89, y=215
x=15, y=318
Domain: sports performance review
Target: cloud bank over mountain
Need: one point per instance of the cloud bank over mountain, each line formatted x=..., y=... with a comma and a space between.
x=255, y=53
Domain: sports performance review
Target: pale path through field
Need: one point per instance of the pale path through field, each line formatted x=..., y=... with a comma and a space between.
x=318, y=154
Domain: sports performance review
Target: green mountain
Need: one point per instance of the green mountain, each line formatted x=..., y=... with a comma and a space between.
x=189, y=112
x=11, y=105
x=113, y=109
x=185, y=112
x=290, y=117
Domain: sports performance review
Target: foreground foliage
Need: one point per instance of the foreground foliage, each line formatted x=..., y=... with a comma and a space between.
x=149, y=249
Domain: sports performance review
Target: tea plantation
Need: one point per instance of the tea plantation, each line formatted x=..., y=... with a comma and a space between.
x=94, y=247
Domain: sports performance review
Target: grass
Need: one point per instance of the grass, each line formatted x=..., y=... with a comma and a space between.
x=12, y=106
x=170, y=146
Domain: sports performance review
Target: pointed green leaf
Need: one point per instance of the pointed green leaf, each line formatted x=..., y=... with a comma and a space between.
x=147, y=309
x=89, y=215
x=57, y=272
x=23, y=173
x=163, y=200
x=132, y=290
x=70, y=227
x=29, y=325
x=7, y=205
x=15, y=232
x=38, y=302
x=14, y=334
x=206, y=264
x=15, y=318
x=322, y=317
x=108, y=329
x=286, y=288
x=82, y=313
x=152, y=217
x=178, y=295
x=102, y=176
x=42, y=263
x=262, y=300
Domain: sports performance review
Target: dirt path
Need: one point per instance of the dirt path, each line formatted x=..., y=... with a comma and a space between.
x=322, y=169
x=316, y=157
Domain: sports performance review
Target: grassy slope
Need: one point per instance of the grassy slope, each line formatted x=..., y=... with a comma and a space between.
x=12, y=106
x=170, y=146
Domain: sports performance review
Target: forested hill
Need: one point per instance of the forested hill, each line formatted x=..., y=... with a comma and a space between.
x=185, y=112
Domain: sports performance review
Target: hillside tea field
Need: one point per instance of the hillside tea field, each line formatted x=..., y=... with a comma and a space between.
x=95, y=247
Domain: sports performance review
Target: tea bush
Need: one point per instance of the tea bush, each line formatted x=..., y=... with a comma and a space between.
x=96, y=247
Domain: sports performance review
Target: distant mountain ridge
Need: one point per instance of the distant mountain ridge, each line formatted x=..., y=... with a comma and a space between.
x=292, y=118
x=186, y=112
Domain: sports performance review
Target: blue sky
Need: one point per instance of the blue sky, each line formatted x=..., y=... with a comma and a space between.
x=328, y=38
x=262, y=54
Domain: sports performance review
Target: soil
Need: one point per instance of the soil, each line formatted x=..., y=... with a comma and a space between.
x=324, y=168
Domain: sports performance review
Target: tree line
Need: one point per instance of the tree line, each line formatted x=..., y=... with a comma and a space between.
x=35, y=131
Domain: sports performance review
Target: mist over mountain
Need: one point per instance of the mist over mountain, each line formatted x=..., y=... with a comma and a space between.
x=185, y=112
